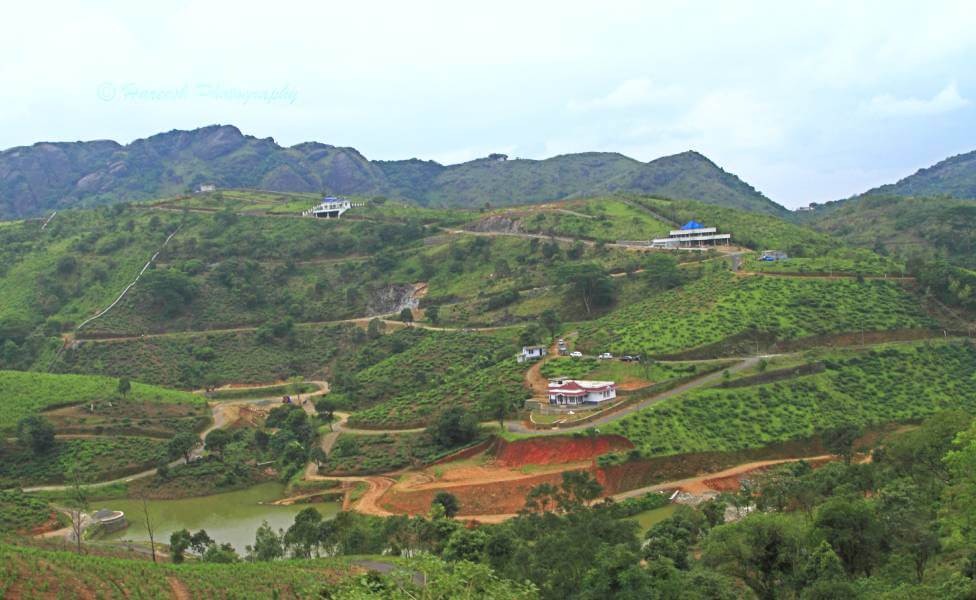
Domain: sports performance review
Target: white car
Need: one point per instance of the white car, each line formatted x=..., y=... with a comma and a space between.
x=605, y=356
x=576, y=354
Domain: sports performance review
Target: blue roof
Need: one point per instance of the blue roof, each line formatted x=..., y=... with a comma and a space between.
x=331, y=199
x=692, y=225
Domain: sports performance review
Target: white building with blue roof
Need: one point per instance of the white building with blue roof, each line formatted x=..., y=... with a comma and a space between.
x=692, y=235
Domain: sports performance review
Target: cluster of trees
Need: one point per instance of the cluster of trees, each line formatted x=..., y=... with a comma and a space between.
x=900, y=526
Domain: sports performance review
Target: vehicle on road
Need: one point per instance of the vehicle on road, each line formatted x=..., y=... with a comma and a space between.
x=576, y=354
x=605, y=356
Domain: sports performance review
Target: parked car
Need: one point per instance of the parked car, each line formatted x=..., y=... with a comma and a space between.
x=576, y=354
x=626, y=358
x=605, y=356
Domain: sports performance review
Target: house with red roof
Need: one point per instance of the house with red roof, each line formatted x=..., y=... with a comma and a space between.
x=577, y=392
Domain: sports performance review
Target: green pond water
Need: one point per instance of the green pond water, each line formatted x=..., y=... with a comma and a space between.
x=652, y=517
x=232, y=517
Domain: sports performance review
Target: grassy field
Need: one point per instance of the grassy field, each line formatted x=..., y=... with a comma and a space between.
x=97, y=458
x=191, y=360
x=26, y=393
x=896, y=383
x=722, y=305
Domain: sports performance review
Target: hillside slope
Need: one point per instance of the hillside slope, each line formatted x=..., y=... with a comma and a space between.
x=954, y=176
x=47, y=176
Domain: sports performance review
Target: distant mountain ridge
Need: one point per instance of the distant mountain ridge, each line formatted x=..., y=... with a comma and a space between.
x=45, y=176
x=954, y=176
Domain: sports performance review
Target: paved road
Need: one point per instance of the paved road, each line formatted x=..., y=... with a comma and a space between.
x=518, y=427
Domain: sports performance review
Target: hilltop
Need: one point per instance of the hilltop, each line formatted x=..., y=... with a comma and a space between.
x=46, y=176
x=954, y=176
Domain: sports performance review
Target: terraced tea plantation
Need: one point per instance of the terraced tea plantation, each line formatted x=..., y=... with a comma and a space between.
x=96, y=459
x=897, y=383
x=191, y=360
x=27, y=393
x=721, y=305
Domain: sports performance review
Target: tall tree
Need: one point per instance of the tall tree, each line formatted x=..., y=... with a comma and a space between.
x=37, y=433
x=588, y=283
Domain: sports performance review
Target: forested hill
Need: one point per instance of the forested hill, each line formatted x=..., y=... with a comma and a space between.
x=36, y=179
x=954, y=176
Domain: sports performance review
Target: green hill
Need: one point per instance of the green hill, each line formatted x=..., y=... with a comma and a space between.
x=47, y=176
x=905, y=227
x=954, y=176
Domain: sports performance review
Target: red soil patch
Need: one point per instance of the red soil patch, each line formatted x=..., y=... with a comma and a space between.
x=500, y=497
x=557, y=450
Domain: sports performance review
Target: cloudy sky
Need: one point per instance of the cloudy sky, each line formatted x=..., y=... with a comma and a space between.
x=807, y=104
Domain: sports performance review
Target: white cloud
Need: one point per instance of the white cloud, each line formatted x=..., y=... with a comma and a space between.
x=947, y=100
x=629, y=94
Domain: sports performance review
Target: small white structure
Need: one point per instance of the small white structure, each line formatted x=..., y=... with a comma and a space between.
x=574, y=392
x=692, y=235
x=206, y=187
x=530, y=353
x=329, y=208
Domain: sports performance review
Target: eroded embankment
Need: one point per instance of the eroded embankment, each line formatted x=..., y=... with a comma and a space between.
x=556, y=450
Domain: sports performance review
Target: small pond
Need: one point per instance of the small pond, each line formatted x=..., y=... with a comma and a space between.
x=652, y=517
x=232, y=517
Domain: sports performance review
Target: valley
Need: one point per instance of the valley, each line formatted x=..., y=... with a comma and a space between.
x=371, y=369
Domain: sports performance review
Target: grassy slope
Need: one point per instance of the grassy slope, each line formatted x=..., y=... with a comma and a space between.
x=25, y=393
x=107, y=257
x=892, y=384
x=722, y=304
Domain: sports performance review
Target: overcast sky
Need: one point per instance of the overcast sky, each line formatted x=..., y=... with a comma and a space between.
x=808, y=103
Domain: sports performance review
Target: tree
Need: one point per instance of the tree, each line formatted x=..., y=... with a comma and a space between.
x=217, y=440
x=840, y=440
x=453, y=427
x=268, y=545
x=406, y=315
x=182, y=444
x=761, y=550
x=200, y=541
x=169, y=290
x=432, y=313
x=124, y=387
x=579, y=488
x=37, y=433
x=303, y=535
x=448, y=502
x=852, y=530
x=589, y=284
x=149, y=527
x=222, y=553
x=179, y=543
x=77, y=503
x=375, y=329
x=499, y=407
x=550, y=320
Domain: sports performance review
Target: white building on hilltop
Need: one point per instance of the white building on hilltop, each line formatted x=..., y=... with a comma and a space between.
x=329, y=208
x=574, y=392
x=692, y=235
